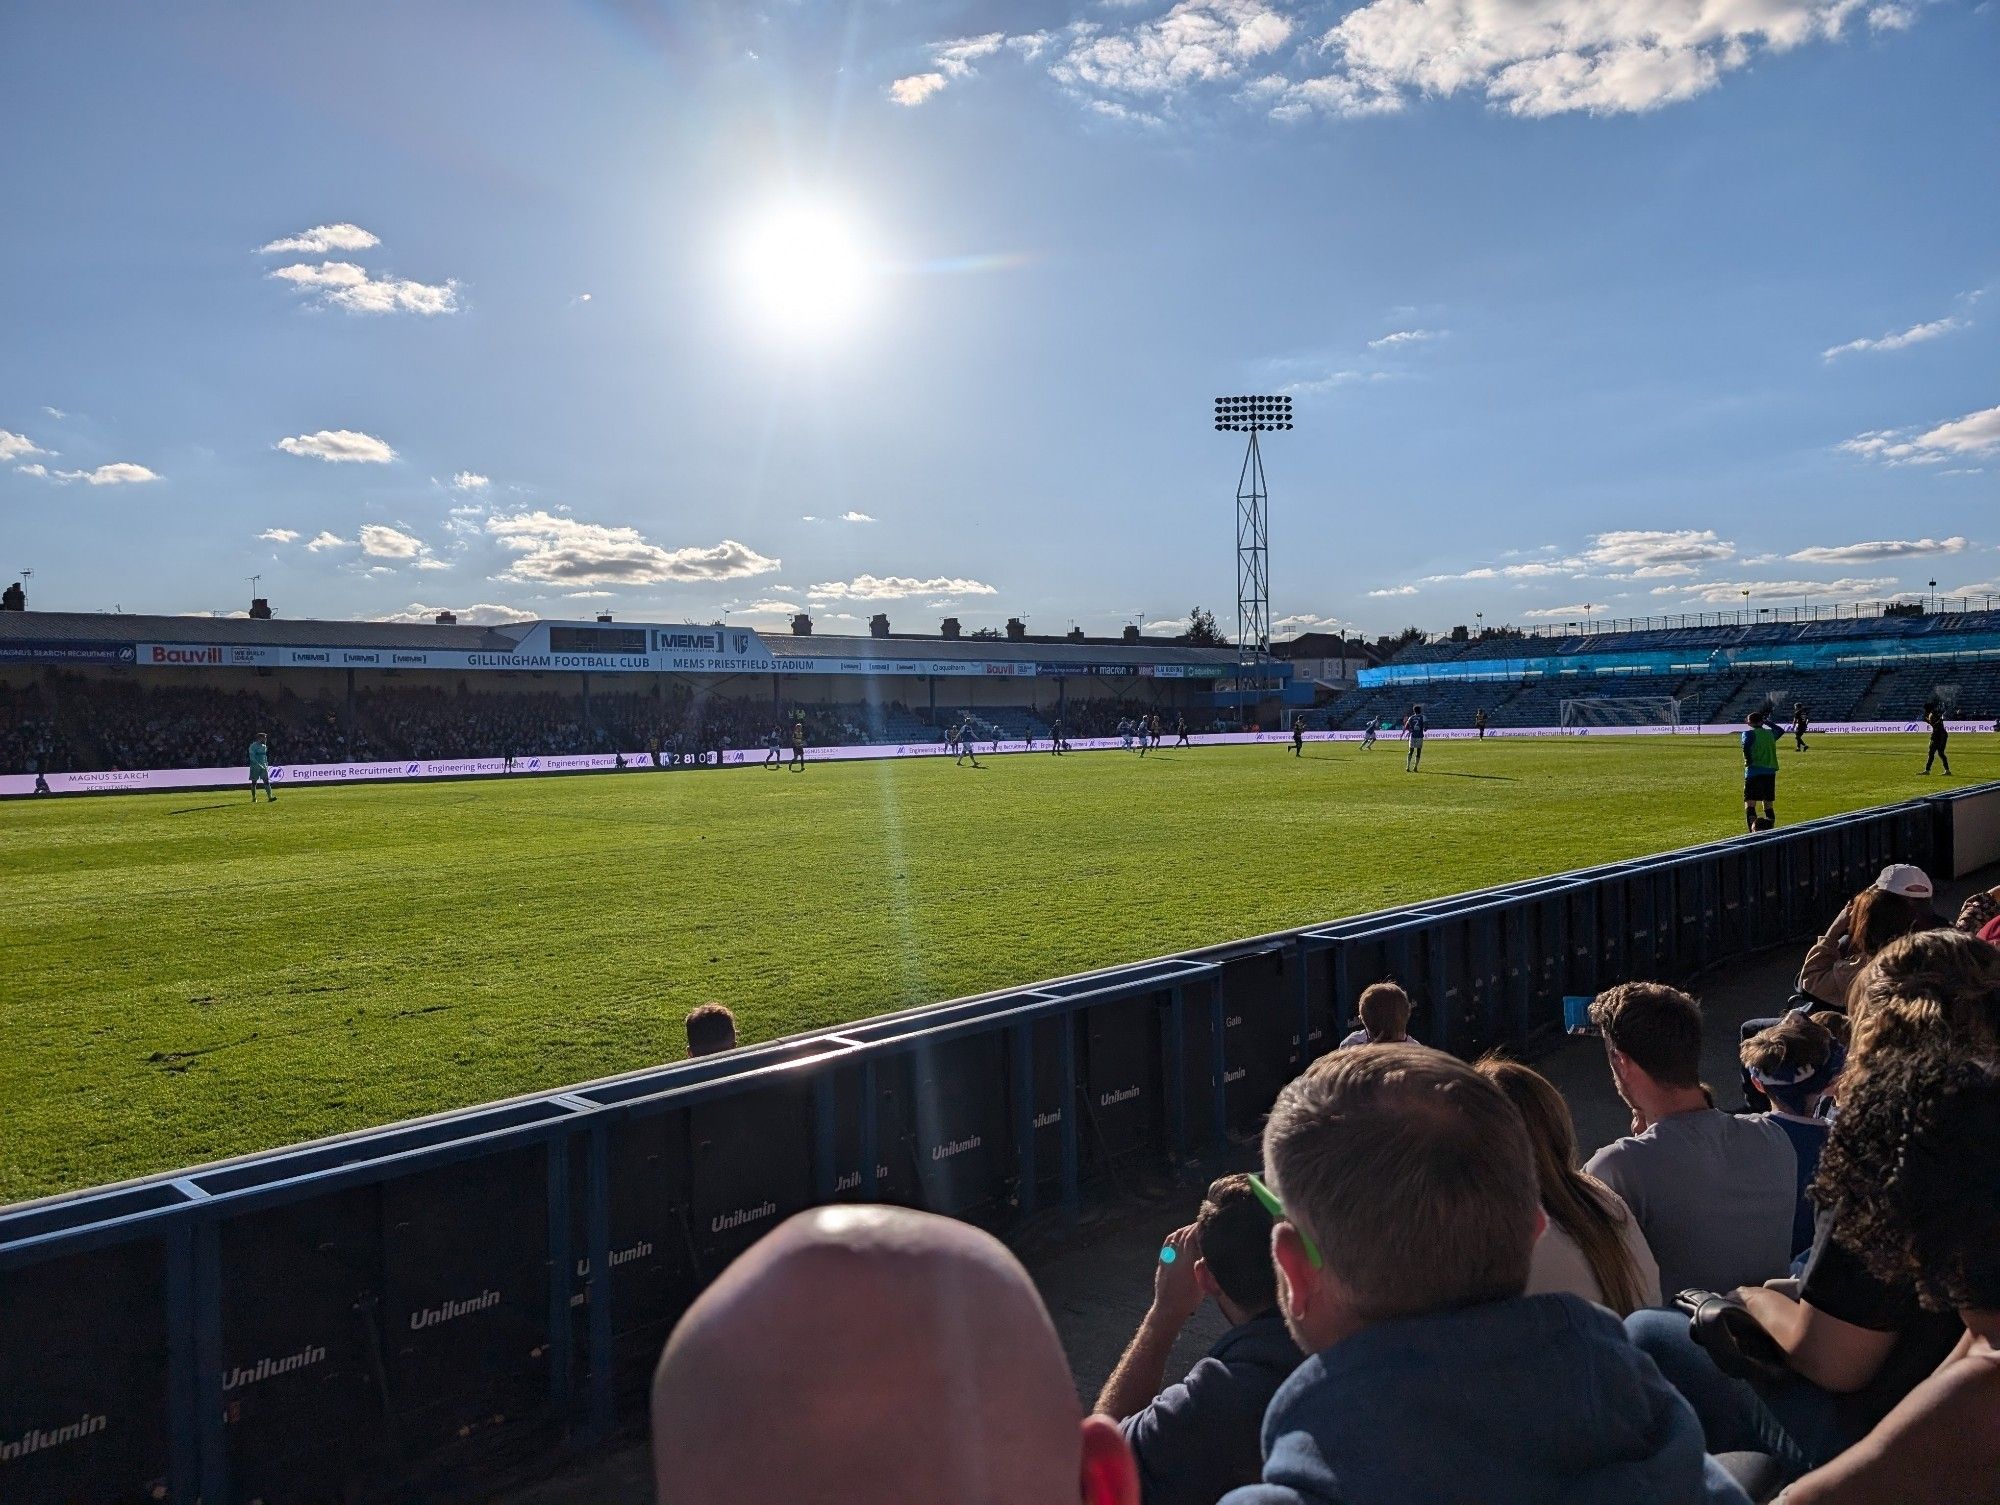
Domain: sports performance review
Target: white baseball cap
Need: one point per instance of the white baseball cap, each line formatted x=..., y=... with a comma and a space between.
x=1902, y=878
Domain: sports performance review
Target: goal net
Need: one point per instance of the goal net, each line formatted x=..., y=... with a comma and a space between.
x=1592, y=712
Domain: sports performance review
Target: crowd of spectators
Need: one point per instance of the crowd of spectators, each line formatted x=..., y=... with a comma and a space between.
x=76, y=724
x=71, y=724
x=1430, y=1297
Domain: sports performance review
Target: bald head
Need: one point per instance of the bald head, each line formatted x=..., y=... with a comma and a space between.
x=865, y=1354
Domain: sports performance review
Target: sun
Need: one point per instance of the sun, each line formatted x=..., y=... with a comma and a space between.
x=804, y=269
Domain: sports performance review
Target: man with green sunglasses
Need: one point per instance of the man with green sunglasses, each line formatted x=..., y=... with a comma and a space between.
x=1406, y=1211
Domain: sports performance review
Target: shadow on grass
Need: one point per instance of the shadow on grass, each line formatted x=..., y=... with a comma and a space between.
x=197, y=809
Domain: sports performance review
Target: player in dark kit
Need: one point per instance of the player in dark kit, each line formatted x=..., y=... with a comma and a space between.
x=1479, y=720
x=1413, y=728
x=1799, y=727
x=1760, y=773
x=1180, y=732
x=798, y=747
x=1934, y=719
x=1298, y=736
x=1056, y=748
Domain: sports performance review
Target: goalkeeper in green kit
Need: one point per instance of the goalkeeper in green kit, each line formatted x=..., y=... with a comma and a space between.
x=260, y=770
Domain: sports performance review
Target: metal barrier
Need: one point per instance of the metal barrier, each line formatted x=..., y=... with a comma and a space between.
x=423, y=1309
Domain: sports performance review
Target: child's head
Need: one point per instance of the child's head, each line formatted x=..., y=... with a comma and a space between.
x=1385, y=1012
x=1794, y=1062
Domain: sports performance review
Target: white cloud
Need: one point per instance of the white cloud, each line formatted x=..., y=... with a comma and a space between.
x=562, y=551
x=1554, y=56
x=954, y=59
x=856, y=517
x=1395, y=590
x=786, y=609
x=1302, y=622
x=1196, y=42
x=279, y=535
x=1166, y=625
x=468, y=480
x=122, y=473
x=486, y=614
x=383, y=542
x=13, y=445
x=896, y=587
x=324, y=540
x=1870, y=553
x=1406, y=337
x=1976, y=434
x=1315, y=386
x=343, y=284
x=588, y=595
x=321, y=239
x=32, y=470
x=55, y=413
x=1730, y=592
x=1916, y=334
x=1578, y=612
x=915, y=89
x=340, y=446
x=1892, y=18
x=1648, y=549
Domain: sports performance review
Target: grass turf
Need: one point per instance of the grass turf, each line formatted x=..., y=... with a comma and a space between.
x=188, y=976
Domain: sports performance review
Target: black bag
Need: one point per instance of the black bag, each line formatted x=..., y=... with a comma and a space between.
x=1723, y=1328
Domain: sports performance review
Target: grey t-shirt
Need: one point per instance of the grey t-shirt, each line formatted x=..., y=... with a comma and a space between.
x=1714, y=1195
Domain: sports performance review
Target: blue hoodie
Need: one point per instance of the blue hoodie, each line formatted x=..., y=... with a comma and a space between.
x=1537, y=1400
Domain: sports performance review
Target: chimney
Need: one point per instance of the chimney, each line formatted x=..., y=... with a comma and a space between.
x=950, y=628
x=1075, y=634
x=1016, y=629
x=260, y=608
x=13, y=598
x=447, y=619
x=604, y=616
x=878, y=625
x=802, y=626
x=1131, y=633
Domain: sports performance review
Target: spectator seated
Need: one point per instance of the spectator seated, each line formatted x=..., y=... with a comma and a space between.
x=1852, y=1344
x=1592, y=1246
x=1197, y=1439
x=1406, y=1191
x=1935, y=1226
x=857, y=1355
x=1713, y=1194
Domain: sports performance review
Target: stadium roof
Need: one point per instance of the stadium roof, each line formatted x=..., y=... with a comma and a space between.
x=114, y=627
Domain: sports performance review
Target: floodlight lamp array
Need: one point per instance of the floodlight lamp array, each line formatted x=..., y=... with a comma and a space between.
x=1240, y=415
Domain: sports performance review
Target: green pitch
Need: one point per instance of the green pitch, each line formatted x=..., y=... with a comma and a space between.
x=188, y=976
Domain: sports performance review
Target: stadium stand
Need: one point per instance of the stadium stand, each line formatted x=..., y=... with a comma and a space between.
x=1890, y=668
x=91, y=693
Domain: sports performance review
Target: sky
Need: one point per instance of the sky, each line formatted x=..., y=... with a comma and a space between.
x=695, y=310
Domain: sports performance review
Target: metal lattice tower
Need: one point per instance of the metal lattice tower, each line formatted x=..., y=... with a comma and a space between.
x=1252, y=415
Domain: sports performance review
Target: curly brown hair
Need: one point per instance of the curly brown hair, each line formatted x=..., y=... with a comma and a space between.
x=1909, y=1173
x=1928, y=988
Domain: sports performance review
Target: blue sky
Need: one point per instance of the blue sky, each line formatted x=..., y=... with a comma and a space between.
x=1634, y=303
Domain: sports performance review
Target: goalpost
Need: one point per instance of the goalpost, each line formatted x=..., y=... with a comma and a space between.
x=1587, y=713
